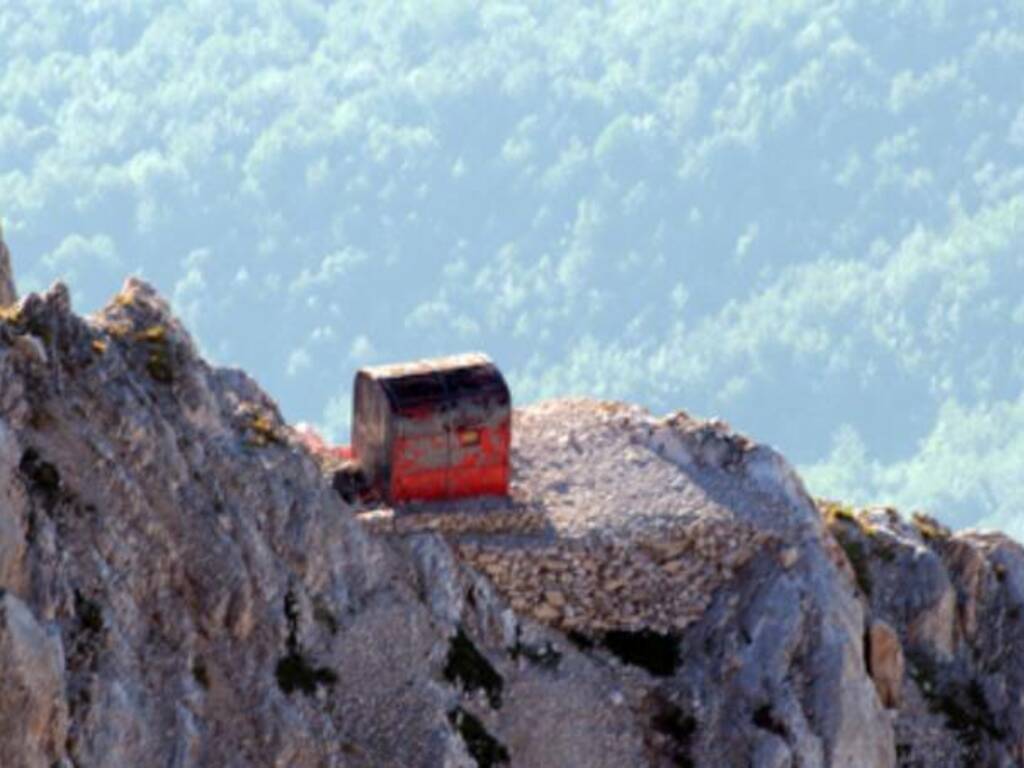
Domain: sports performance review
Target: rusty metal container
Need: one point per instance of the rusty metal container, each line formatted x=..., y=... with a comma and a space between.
x=433, y=429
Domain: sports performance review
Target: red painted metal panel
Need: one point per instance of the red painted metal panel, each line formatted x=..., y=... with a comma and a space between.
x=480, y=465
x=419, y=467
x=446, y=427
x=426, y=485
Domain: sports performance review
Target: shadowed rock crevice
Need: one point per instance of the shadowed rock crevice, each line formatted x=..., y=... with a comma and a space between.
x=42, y=476
x=673, y=732
x=487, y=751
x=471, y=671
x=294, y=671
x=656, y=652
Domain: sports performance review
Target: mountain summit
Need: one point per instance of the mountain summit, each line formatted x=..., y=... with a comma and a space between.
x=181, y=586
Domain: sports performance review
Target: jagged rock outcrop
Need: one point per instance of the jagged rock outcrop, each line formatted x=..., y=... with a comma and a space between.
x=956, y=603
x=8, y=295
x=182, y=587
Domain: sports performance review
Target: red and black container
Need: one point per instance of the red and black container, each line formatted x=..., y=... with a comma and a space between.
x=433, y=429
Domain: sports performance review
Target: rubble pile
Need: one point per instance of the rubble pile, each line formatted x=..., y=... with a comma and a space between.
x=627, y=541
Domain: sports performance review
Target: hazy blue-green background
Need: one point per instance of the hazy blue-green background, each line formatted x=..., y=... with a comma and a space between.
x=806, y=217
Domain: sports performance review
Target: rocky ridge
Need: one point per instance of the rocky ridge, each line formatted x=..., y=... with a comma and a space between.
x=181, y=586
x=8, y=295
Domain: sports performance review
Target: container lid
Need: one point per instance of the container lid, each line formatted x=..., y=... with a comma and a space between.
x=443, y=379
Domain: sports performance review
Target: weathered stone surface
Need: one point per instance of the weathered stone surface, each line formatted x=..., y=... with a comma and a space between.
x=8, y=293
x=12, y=535
x=772, y=752
x=956, y=603
x=933, y=626
x=885, y=663
x=33, y=718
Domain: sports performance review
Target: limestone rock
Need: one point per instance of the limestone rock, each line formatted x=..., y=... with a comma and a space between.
x=885, y=662
x=33, y=718
x=8, y=293
x=772, y=752
x=956, y=603
x=12, y=536
x=934, y=626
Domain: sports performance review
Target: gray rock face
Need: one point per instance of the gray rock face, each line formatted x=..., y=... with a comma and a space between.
x=33, y=716
x=182, y=587
x=8, y=294
x=956, y=603
x=885, y=662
